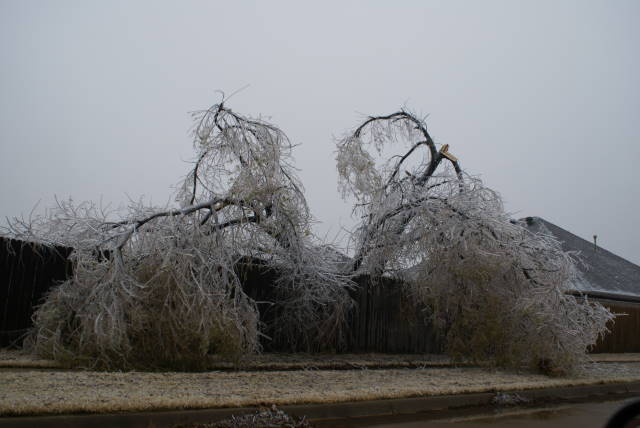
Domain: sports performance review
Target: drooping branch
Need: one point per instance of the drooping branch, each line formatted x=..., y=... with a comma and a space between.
x=383, y=191
x=400, y=116
x=211, y=206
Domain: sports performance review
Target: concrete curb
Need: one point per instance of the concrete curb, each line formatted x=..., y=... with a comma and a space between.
x=358, y=409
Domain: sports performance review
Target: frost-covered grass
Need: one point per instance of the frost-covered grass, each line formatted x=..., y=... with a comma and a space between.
x=54, y=392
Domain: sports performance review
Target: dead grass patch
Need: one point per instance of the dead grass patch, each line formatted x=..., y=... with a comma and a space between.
x=18, y=358
x=626, y=357
x=11, y=358
x=298, y=361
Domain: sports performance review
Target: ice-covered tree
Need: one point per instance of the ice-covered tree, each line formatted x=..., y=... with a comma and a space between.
x=159, y=287
x=497, y=290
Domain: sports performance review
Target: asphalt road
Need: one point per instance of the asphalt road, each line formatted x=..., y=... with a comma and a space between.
x=569, y=415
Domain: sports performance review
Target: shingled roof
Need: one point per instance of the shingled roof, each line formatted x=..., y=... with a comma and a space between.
x=602, y=273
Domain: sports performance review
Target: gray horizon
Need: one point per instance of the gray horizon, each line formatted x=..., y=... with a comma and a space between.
x=540, y=99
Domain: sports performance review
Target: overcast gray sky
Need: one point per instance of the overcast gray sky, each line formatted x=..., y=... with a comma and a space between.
x=539, y=98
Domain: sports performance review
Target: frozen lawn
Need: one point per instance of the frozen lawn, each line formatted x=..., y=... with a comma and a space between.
x=46, y=391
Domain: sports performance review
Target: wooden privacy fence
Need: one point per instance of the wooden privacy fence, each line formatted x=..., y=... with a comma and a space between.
x=625, y=329
x=27, y=272
x=383, y=320
x=386, y=320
